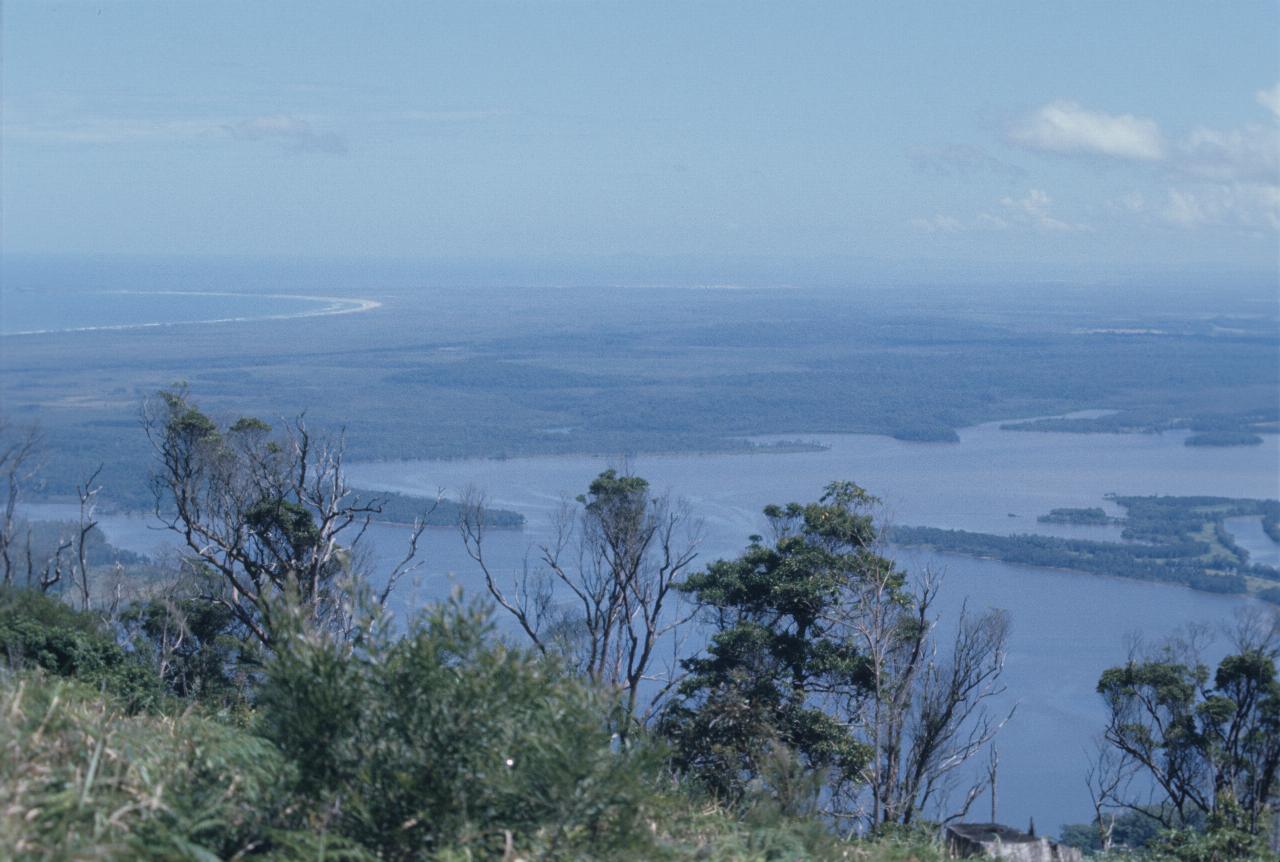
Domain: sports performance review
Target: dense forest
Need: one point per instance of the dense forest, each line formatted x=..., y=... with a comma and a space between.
x=436, y=373
x=252, y=697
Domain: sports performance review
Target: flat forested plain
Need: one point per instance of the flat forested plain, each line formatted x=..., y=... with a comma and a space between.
x=457, y=362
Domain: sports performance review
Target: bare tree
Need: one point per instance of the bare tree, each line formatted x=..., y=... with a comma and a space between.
x=51, y=570
x=993, y=775
x=1107, y=779
x=88, y=493
x=44, y=570
x=269, y=514
x=617, y=558
x=925, y=713
x=18, y=467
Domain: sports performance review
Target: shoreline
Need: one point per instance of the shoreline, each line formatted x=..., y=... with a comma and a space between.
x=336, y=305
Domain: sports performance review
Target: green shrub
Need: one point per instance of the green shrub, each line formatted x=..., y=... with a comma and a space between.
x=202, y=649
x=38, y=631
x=441, y=745
x=80, y=779
x=1222, y=844
x=446, y=741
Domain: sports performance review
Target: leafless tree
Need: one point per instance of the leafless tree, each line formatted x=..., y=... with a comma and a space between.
x=88, y=493
x=19, y=448
x=1107, y=779
x=47, y=575
x=270, y=514
x=993, y=775
x=44, y=570
x=616, y=557
x=925, y=713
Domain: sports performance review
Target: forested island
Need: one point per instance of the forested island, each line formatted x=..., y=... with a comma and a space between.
x=1224, y=428
x=1090, y=517
x=393, y=508
x=1178, y=540
x=1224, y=438
x=927, y=434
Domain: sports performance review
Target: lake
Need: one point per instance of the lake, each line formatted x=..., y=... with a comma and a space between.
x=1250, y=536
x=1067, y=627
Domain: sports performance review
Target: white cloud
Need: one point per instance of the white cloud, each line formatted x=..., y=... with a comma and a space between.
x=459, y=116
x=111, y=131
x=938, y=224
x=1270, y=99
x=1030, y=211
x=1033, y=209
x=1250, y=206
x=1213, y=177
x=1066, y=127
x=1133, y=202
x=296, y=133
x=1240, y=155
x=303, y=134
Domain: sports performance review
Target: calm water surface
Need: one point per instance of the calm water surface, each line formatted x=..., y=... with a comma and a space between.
x=1249, y=535
x=1067, y=627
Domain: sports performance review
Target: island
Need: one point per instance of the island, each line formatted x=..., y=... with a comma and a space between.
x=396, y=508
x=1179, y=540
x=1224, y=438
x=1092, y=517
x=927, y=434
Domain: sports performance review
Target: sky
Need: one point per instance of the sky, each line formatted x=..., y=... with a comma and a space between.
x=1062, y=138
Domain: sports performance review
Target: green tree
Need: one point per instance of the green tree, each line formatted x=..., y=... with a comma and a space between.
x=1210, y=742
x=39, y=631
x=268, y=514
x=821, y=646
x=776, y=654
x=197, y=648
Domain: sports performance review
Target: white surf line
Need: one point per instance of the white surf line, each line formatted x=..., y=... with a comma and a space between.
x=337, y=305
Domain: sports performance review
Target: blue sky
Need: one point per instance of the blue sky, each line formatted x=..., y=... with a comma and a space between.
x=1065, y=138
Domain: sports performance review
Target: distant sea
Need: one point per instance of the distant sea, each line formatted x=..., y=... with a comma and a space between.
x=32, y=310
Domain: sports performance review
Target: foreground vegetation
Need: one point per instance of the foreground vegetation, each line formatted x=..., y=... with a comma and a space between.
x=446, y=744
x=441, y=744
x=260, y=702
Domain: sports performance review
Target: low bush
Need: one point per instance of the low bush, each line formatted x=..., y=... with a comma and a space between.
x=82, y=779
x=39, y=631
x=447, y=740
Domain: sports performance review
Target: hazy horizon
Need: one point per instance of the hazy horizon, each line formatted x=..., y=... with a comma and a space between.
x=1055, y=143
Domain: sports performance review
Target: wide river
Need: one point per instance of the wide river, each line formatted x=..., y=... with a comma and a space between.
x=1067, y=627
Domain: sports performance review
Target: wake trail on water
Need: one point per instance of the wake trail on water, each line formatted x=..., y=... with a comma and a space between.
x=336, y=305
